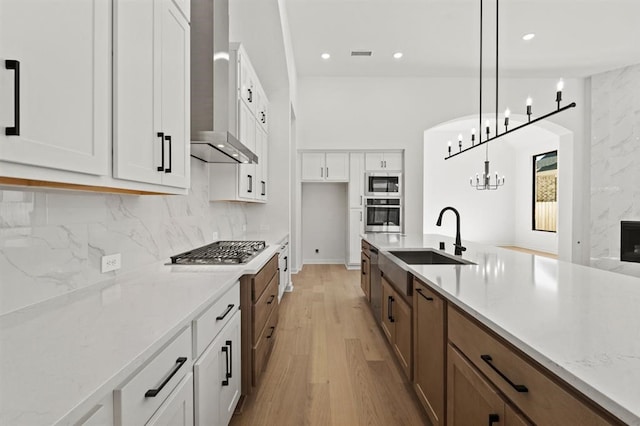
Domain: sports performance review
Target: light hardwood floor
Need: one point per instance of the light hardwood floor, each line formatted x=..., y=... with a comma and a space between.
x=330, y=364
x=536, y=252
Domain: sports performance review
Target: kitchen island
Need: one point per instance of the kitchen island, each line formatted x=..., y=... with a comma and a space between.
x=579, y=323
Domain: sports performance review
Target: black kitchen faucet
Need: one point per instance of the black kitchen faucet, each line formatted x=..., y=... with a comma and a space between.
x=458, y=245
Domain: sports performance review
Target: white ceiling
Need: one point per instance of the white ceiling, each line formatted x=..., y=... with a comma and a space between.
x=574, y=38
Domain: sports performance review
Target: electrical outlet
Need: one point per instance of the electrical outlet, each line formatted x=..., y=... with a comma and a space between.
x=264, y=227
x=111, y=262
x=244, y=227
x=215, y=236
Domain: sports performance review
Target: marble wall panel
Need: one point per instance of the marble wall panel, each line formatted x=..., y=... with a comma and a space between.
x=51, y=242
x=615, y=164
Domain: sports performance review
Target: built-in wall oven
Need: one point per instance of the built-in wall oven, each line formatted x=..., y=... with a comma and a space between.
x=379, y=184
x=383, y=215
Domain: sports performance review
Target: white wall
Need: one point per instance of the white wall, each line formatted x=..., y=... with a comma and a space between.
x=524, y=151
x=486, y=216
x=324, y=222
x=370, y=113
x=503, y=216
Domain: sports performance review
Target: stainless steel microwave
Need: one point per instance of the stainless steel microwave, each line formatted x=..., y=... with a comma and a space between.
x=380, y=184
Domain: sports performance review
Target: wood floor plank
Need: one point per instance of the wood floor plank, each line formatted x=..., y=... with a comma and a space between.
x=331, y=364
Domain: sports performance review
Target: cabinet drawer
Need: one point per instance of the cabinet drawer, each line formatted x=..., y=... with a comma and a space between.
x=207, y=326
x=263, y=278
x=262, y=349
x=263, y=308
x=365, y=247
x=544, y=401
x=132, y=406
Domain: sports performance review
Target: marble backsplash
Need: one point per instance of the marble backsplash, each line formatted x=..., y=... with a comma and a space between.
x=615, y=164
x=51, y=242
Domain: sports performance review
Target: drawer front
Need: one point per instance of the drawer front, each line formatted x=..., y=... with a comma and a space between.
x=207, y=326
x=544, y=401
x=262, y=350
x=365, y=247
x=132, y=406
x=263, y=278
x=263, y=308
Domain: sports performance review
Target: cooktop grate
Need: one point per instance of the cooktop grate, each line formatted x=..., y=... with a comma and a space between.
x=220, y=253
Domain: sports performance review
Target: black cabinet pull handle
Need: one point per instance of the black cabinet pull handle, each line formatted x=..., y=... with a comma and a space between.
x=273, y=330
x=12, y=64
x=230, y=372
x=151, y=393
x=264, y=187
x=488, y=359
x=225, y=313
x=493, y=418
x=390, y=301
x=250, y=183
x=392, y=319
x=419, y=290
x=168, y=139
x=225, y=382
x=161, y=136
x=250, y=98
x=271, y=299
x=286, y=263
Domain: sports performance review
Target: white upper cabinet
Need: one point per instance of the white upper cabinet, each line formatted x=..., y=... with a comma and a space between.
x=356, y=180
x=248, y=120
x=151, y=93
x=262, y=172
x=383, y=161
x=329, y=166
x=55, y=84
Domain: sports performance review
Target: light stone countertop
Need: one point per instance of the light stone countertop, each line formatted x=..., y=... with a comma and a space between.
x=59, y=358
x=581, y=323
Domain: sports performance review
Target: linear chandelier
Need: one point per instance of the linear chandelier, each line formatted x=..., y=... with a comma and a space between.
x=485, y=183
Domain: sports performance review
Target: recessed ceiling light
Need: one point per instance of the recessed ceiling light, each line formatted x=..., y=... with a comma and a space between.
x=220, y=145
x=397, y=55
x=234, y=154
x=528, y=37
x=325, y=56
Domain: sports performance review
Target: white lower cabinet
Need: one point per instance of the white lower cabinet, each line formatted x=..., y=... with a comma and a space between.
x=356, y=227
x=143, y=394
x=177, y=410
x=217, y=377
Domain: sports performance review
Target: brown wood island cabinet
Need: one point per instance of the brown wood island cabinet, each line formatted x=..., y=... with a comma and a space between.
x=429, y=351
x=482, y=366
x=365, y=271
x=259, y=307
x=396, y=324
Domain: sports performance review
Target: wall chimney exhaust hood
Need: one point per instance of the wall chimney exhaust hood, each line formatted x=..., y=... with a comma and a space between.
x=212, y=139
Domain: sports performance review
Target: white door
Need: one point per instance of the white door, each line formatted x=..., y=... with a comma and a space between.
x=356, y=227
x=337, y=166
x=247, y=127
x=217, y=377
x=374, y=161
x=356, y=180
x=262, y=173
x=137, y=128
x=230, y=393
x=61, y=52
x=175, y=75
x=177, y=409
x=313, y=166
x=247, y=85
x=392, y=161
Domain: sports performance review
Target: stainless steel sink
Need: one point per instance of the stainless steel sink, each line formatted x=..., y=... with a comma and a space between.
x=428, y=257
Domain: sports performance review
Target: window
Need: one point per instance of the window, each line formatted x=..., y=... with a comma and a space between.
x=545, y=192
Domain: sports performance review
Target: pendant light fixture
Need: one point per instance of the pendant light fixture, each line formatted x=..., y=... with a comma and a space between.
x=485, y=183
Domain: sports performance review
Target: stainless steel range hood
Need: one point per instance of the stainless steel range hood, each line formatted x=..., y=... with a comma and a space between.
x=212, y=139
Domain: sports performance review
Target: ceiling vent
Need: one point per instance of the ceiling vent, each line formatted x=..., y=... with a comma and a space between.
x=361, y=53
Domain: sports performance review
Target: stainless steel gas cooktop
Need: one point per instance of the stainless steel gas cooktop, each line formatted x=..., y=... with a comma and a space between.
x=220, y=253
